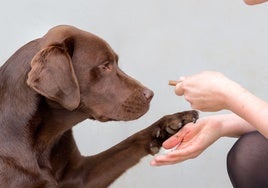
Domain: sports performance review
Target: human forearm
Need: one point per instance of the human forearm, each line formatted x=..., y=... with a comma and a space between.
x=249, y=107
x=231, y=125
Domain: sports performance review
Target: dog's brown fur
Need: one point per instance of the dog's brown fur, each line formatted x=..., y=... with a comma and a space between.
x=55, y=82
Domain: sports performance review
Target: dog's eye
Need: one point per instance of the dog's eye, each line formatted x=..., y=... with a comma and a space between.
x=107, y=66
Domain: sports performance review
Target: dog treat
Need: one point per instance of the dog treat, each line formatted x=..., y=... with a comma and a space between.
x=173, y=82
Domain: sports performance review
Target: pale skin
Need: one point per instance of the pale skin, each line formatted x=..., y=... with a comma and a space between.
x=209, y=92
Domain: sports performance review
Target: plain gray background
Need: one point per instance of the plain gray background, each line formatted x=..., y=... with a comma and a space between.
x=156, y=41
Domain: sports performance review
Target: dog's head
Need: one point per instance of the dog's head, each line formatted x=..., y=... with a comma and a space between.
x=79, y=71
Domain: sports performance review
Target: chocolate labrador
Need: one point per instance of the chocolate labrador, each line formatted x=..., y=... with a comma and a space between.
x=51, y=84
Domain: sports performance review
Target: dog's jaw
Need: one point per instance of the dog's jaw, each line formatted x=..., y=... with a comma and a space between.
x=133, y=107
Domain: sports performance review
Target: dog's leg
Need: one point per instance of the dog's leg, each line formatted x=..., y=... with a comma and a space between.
x=104, y=168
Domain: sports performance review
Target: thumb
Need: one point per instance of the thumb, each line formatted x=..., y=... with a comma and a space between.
x=172, y=141
x=179, y=87
x=177, y=138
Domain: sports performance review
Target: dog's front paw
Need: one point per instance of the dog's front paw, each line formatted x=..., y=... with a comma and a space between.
x=168, y=126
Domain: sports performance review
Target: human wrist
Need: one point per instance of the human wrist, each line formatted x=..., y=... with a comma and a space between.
x=223, y=125
x=231, y=95
x=231, y=125
x=220, y=125
x=213, y=125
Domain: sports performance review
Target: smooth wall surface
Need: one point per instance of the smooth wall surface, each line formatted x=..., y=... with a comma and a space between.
x=157, y=41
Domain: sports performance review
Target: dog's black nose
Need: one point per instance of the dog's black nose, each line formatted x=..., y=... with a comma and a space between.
x=148, y=94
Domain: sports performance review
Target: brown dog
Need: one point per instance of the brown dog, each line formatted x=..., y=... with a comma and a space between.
x=55, y=82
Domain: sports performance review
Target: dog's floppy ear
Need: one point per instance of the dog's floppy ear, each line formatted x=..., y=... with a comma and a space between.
x=52, y=75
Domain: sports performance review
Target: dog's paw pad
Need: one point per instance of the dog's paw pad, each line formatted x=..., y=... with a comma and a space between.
x=154, y=147
x=173, y=128
x=168, y=126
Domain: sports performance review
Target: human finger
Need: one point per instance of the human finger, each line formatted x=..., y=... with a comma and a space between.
x=174, y=157
x=179, y=137
x=172, y=142
x=179, y=86
x=175, y=139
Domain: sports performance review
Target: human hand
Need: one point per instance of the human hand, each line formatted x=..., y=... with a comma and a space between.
x=207, y=91
x=191, y=141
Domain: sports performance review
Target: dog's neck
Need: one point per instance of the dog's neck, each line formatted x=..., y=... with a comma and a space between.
x=17, y=101
x=54, y=121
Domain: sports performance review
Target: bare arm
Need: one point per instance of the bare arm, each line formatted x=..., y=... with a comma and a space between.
x=250, y=108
